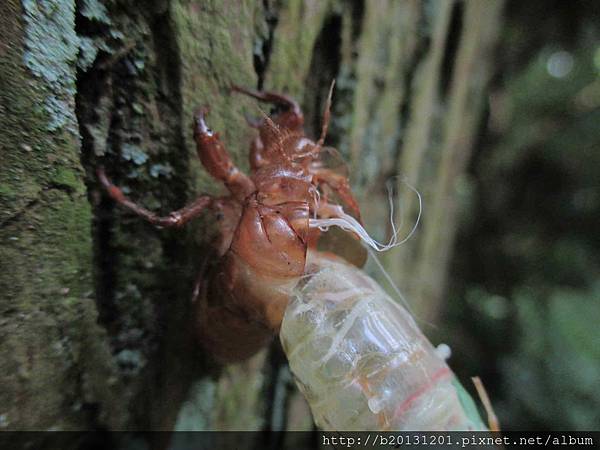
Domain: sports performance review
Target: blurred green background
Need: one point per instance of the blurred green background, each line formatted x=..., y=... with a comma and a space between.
x=524, y=304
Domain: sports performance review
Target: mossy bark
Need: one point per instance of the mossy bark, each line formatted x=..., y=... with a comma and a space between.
x=55, y=359
x=95, y=307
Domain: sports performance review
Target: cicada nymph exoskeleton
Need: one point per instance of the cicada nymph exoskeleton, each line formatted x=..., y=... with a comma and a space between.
x=358, y=356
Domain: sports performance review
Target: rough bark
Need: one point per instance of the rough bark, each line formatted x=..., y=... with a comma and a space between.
x=95, y=303
x=56, y=362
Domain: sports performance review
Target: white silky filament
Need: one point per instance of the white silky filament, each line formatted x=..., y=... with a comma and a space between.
x=348, y=223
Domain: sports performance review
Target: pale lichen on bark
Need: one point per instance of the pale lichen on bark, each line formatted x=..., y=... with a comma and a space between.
x=51, y=52
x=53, y=357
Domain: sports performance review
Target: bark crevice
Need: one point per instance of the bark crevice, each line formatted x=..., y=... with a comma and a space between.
x=263, y=45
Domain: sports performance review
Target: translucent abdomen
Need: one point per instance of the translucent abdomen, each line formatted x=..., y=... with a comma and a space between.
x=361, y=361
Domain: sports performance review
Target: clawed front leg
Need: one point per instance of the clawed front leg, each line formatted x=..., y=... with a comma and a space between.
x=340, y=185
x=291, y=119
x=215, y=159
x=173, y=219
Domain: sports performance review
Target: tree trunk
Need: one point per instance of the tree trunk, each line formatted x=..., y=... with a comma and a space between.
x=96, y=303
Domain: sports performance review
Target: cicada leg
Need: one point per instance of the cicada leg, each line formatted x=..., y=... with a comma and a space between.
x=291, y=118
x=340, y=185
x=173, y=219
x=217, y=161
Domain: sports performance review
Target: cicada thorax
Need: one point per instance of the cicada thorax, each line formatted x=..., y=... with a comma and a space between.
x=248, y=291
x=264, y=224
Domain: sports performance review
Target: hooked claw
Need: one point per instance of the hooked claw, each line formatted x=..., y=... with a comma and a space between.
x=200, y=126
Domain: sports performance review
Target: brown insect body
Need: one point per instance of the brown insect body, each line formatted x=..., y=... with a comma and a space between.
x=264, y=226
